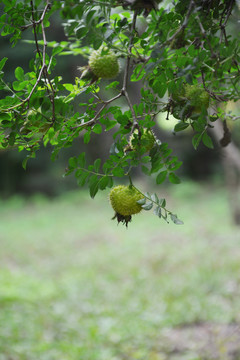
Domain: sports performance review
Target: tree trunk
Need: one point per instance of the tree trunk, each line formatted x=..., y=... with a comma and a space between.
x=231, y=167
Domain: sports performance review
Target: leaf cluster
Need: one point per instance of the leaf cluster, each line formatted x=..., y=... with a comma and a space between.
x=151, y=201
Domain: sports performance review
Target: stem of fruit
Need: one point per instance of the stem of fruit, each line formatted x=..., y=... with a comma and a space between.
x=130, y=180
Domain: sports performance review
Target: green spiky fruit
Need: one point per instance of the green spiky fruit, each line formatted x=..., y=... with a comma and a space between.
x=104, y=63
x=197, y=96
x=124, y=202
x=146, y=141
x=190, y=101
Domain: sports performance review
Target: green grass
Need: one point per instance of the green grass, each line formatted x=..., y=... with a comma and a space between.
x=75, y=285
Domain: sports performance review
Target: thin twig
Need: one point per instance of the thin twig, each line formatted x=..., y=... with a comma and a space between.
x=169, y=40
x=223, y=24
x=94, y=119
x=204, y=33
x=34, y=23
x=183, y=26
x=48, y=81
x=126, y=72
x=42, y=56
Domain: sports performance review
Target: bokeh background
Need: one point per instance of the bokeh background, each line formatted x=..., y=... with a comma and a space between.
x=75, y=285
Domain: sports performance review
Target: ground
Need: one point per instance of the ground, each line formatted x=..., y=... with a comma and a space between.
x=75, y=285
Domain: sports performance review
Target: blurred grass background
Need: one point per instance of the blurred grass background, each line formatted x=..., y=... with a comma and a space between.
x=75, y=285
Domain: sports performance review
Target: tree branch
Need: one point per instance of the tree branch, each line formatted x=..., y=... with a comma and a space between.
x=43, y=72
x=123, y=91
x=126, y=72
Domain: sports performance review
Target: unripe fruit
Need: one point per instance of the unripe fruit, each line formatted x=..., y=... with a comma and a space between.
x=124, y=202
x=104, y=63
x=190, y=101
x=197, y=96
x=146, y=141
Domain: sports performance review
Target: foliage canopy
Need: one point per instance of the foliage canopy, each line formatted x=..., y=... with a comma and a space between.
x=181, y=52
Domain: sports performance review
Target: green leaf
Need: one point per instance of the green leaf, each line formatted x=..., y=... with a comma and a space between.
x=145, y=170
x=24, y=163
x=81, y=160
x=20, y=85
x=103, y=183
x=96, y=165
x=73, y=163
x=93, y=185
x=207, y=141
x=97, y=129
x=110, y=125
x=112, y=85
x=147, y=206
x=86, y=137
x=175, y=166
x=181, y=126
x=5, y=116
x=82, y=178
x=162, y=203
x=2, y=63
x=157, y=164
x=158, y=211
x=175, y=220
x=160, y=88
x=196, y=140
x=161, y=177
x=57, y=50
x=141, y=201
x=154, y=198
x=146, y=159
x=173, y=178
x=119, y=172
x=19, y=73
x=69, y=87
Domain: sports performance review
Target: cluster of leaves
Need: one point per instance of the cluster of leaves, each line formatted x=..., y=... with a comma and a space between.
x=184, y=43
x=152, y=201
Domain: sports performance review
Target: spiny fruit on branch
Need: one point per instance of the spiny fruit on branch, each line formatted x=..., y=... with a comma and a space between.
x=104, y=63
x=124, y=202
x=197, y=96
x=145, y=141
x=190, y=101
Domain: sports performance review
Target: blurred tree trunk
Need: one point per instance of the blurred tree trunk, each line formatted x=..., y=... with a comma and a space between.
x=231, y=167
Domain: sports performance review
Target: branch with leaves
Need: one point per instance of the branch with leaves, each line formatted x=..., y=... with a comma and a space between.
x=184, y=73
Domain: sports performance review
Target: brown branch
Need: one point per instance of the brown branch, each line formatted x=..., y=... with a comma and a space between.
x=183, y=26
x=43, y=70
x=222, y=24
x=34, y=22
